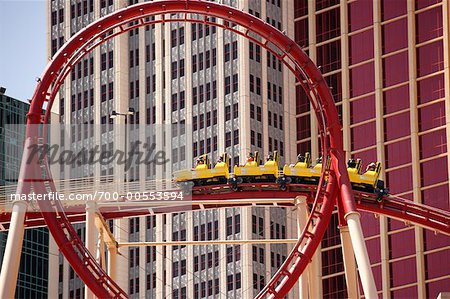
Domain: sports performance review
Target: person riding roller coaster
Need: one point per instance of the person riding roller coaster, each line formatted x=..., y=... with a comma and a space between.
x=251, y=160
x=201, y=163
x=351, y=163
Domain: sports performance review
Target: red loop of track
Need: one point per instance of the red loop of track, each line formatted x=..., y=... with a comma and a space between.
x=304, y=69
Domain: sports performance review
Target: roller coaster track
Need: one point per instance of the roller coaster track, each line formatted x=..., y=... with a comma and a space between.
x=258, y=195
x=324, y=199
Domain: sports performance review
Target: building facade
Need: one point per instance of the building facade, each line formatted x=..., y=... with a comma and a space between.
x=387, y=64
x=228, y=93
x=32, y=279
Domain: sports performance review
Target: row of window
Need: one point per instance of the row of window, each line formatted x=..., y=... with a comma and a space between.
x=179, y=268
x=206, y=261
x=82, y=100
x=85, y=68
x=204, y=289
x=273, y=62
x=198, y=148
x=235, y=138
x=177, y=37
x=177, y=69
x=178, y=101
x=209, y=231
x=202, y=92
x=83, y=8
x=231, y=51
x=198, y=122
x=204, y=60
x=197, y=30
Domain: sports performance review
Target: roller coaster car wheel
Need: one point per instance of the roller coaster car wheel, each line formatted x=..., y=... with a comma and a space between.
x=186, y=188
x=234, y=183
x=282, y=182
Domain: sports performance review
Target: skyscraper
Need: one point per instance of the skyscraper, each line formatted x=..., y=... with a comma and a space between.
x=32, y=280
x=387, y=64
x=230, y=94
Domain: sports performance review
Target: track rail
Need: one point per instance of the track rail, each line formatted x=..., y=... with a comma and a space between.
x=258, y=195
x=292, y=56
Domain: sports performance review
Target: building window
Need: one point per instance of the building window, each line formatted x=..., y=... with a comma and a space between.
x=227, y=85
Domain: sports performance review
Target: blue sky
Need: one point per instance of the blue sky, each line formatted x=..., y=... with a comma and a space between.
x=22, y=45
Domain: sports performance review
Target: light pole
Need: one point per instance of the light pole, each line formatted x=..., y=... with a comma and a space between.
x=115, y=114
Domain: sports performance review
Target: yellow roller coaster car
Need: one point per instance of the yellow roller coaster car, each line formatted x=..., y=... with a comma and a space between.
x=302, y=172
x=252, y=172
x=369, y=180
x=203, y=173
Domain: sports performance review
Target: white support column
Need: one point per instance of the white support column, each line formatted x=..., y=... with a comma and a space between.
x=53, y=263
x=91, y=239
x=160, y=280
x=302, y=216
x=246, y=253
x=13, y=250
x=351, y=275
x=362, y=258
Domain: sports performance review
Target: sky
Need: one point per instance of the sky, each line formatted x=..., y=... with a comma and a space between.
x=22, y=46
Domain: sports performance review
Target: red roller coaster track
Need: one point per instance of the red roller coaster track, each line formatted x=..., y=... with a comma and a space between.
x=287, y=51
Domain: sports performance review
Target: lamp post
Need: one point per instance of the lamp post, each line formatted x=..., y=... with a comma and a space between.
x=115, y=114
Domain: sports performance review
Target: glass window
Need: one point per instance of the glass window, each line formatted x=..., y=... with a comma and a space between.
x=395, y=35
x=362, y=109
x=435, y=264
x=301, y=32
x=395, y=69
x=430, y=58
x=392, y=9
x=433, y=144
x=431, y=88
x=302, y=100
x=397, y=126
x=396, y=99
x=371, y=225
x=303, y=127
x=432, y=116
x=361, y=46
x=374, y=250
x=300, y=8
x=410, y=292
x=399, y=180
x=363, y=135
x=424, y=3
x=403, y=272
x=398, y=153
x=360, y=14
x=402, y=244
x=329, y=56
x=429, y=24
x=437, y=197
x=434, y=171
x=328, y=24
x=434, y=288
x=332, y=261
x=362, y=79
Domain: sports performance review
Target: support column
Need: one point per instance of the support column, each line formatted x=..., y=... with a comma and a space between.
x=112, y=262
x=362, y=258
x=351, y=275
x=302, y=215
x=312, y=280
x=13, y=250
x=91, y=239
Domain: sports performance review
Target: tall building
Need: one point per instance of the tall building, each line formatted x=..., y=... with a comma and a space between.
x=231, y=96
x=32, y=279
x=387, y=64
